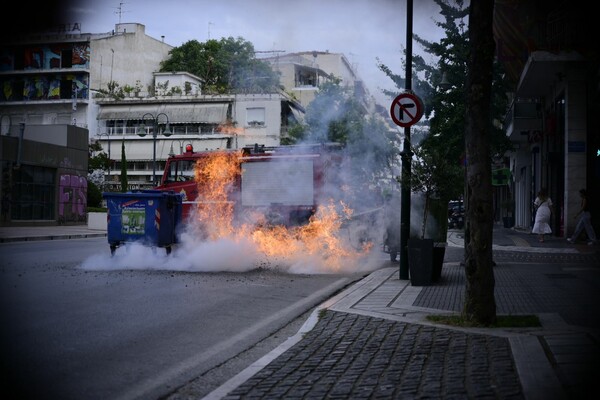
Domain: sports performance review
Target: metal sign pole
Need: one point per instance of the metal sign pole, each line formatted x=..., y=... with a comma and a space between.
x=406, y=156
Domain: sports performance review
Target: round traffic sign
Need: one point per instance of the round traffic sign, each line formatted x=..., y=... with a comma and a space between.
x=406, y=109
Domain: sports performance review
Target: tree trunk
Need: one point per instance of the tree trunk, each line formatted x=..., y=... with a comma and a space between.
x=480, y=305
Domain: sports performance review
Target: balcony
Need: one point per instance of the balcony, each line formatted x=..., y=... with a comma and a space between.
x=523, y=119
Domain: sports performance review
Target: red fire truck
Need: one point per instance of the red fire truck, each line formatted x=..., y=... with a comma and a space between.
x=284, y=183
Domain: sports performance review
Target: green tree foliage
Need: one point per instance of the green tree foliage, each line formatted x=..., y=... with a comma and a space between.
x=434, y=177
x=123, y=177
x=441, y=85
x=224, y=65
x=98, y=159
x=94, y=195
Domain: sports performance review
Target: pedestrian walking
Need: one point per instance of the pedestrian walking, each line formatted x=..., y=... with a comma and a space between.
x=543, y=206
x=585, y=220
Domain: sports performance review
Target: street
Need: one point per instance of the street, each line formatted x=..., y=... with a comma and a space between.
x=72, y=333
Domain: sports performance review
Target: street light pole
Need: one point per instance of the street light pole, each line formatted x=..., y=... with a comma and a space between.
x=167, y=132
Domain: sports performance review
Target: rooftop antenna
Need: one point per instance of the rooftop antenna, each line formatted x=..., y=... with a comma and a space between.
x=120, y=11
x=353, y=62
x=209, y=24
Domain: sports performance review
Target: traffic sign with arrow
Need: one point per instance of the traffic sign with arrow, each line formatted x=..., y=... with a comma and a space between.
x=406, y=109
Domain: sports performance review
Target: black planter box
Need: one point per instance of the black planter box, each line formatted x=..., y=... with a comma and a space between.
x=420, y=261
x=439, y=251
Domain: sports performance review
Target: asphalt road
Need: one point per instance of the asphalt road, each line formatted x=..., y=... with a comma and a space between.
x=72, y=333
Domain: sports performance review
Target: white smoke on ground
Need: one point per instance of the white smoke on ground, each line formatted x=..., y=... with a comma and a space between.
x=222, y=255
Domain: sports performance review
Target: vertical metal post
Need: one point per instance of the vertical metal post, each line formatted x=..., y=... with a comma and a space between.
x=154, y=134
x=109, y=160
x=406, y=155
x=20, y=149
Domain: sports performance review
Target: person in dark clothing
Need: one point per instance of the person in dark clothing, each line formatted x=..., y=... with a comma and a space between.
x=585, y=220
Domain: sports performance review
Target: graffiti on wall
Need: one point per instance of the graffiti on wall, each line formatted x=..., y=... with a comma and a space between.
x=72, y=198
x=75, y=56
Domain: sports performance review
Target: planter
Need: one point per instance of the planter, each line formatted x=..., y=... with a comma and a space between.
x=439, y=251
x=420, y=261
x=97, y=220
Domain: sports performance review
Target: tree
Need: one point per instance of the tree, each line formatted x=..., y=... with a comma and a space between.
x=94, y=195
x=461, y=127
x=224, y=65
x=434, y=176
x=98, y=163
x=97, y=158
x=480, y=305
x=123, y=177
x=441, y=85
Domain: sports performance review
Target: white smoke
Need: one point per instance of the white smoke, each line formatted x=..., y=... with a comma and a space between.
x=355, y=182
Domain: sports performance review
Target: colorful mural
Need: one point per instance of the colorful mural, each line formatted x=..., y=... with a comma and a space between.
x=47, y=57
x=81, y=55
x=41, y=87
x=52, y=57
x=33, y=58
x=72, y=198
x=7, y=60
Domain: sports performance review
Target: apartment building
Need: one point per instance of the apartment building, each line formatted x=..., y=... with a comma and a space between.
x=302, y=73
x=47, y=112
x=149, y=127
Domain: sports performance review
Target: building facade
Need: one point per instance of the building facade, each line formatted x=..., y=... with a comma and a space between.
x=47, y=112
x=43, y=172
x=150, y=128
x=552, y=62
x=301, y=74
x=106, y=87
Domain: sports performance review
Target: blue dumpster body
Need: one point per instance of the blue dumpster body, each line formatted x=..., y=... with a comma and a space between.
x=151, y=217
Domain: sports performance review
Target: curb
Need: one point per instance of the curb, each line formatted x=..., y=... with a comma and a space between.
x=51, y=237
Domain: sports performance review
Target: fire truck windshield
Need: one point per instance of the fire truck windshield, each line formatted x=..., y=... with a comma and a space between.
x=180, y=171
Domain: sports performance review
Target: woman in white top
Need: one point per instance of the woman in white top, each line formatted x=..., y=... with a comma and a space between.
x=543, y=205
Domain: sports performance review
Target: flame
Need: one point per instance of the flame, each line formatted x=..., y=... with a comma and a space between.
x=230, y=129
x=216, y=176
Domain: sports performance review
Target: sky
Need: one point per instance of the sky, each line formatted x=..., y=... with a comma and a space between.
x=363, y=30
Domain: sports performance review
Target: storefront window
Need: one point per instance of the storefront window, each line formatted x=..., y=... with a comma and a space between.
x=33, y=193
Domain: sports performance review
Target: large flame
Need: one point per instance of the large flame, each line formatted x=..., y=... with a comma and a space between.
x=216, y=176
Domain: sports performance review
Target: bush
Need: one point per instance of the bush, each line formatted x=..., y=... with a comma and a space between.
x=94, y=195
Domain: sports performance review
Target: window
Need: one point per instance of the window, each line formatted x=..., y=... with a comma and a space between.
x=18, y=90
x=66, y=58
x=255, y=116
x=66, y=88
x=181, y=171
x=34, y=194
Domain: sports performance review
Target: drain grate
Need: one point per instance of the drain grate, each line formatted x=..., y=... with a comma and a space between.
x=560, y=276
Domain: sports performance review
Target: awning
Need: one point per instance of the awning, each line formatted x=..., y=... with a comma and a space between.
x=298, y=114
x=213, y=113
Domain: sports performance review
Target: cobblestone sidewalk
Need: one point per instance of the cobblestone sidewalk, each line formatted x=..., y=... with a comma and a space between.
x=348, y=356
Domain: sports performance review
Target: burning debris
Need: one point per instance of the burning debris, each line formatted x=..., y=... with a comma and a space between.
x=286, y=208
x=215, y=219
